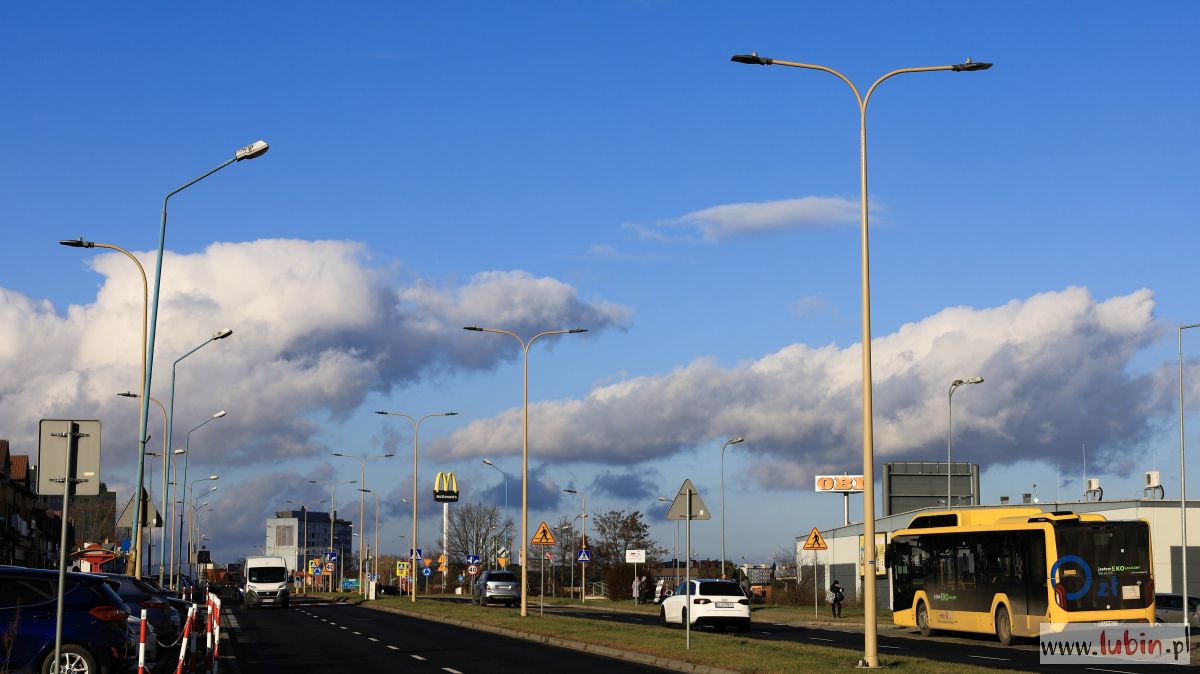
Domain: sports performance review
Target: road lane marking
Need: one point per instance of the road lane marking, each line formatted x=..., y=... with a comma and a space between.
x=417, y=657
x=372, y=639
x=345, y=628
x=900, y=648
x=358, y=633
x=819, y=639
x=393, y=647
x=452, y=671
x=986, y=657
x=1118, y=671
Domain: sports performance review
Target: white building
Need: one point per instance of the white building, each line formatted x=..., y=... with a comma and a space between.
x=286, y=532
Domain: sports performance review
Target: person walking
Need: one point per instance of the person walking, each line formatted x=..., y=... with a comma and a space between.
x=637, y=589
x=836, y=596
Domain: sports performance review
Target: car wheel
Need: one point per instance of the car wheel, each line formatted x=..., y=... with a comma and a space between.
x=662, y=617
x=683, y=618
x=923, y=619
x=72, y=660
x=1003, y=627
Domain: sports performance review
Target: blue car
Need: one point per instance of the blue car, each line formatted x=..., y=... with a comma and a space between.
x=94, y=637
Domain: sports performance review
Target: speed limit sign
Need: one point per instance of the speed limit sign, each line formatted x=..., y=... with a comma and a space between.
x=472, y=569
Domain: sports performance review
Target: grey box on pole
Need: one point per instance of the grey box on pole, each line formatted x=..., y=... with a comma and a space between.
x=52, y=457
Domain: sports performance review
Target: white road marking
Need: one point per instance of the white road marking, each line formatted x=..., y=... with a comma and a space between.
x=901, y=648
x=372, y=639
x=787, y=625
x=417, y=657
x=819, y=639
x=343, y=626
x=396, y=649
x=759, y=632
x=234, y=622
x=1118, y=671
x=452, y=671
x=360, y=633
x=985, y=657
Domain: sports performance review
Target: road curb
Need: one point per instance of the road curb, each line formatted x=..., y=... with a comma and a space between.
x=583, y=646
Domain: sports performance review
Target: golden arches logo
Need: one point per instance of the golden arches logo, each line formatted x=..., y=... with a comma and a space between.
x=445, y=488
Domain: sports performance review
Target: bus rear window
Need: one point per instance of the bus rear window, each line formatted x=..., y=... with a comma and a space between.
x=1102, y=565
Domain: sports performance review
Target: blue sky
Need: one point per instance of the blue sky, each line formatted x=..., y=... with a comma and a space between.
x=540, y=165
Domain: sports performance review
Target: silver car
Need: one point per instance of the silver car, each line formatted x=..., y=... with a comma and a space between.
x=1168, y=608
x=497, y=586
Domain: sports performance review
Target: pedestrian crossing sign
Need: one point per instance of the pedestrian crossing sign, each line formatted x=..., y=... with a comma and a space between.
x=584, y=555
x=543, y=536
x=815, y=542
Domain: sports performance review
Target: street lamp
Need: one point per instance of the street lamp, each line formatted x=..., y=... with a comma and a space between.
x=220, y=334
x=163, y=529
x=135, y=559
x=507, y=535
x=525, y=448
x=333, y=515
x=375, y=559
x=949, y=427
x=582, y=565
x=304, y=548
x=870, y=631
x=363, y=460
x=1182, y=474
x=734, y=441
x=192, y=499
x=416, y=424
x=255, y=149
x=178, y=536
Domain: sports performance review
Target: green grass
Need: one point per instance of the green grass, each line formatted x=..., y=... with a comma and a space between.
x=727, y=651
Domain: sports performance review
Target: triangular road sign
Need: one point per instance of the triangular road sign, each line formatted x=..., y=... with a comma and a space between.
x=815, y=542
x=150, y=514
x=679, y=507
x=543, y=536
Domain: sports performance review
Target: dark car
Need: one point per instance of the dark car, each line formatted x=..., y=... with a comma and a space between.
x=139, y=595
x=172, y=598
x=94, y=636
x=497, y=585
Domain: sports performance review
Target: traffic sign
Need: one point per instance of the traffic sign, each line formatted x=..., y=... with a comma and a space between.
x=401, y=568
x=584, y=555
x=316, y=571
x=472, y=559
x=329, y=567
x=427, y=562
x=426, y=571
x=543, y=536
x=331, y=556
x=418, y=553
x=502, y=561
x=442, y=558
x=472, y=569
x=680, y=508
x=815, y=542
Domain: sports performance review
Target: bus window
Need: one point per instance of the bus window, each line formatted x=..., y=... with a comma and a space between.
x=1102, y=565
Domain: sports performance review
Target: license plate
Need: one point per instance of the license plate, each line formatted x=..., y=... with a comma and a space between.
x=1107, y=623
x=268, y=601
x=724, y=604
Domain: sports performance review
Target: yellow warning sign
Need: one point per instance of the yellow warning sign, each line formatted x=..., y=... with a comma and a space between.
x=543, y=536
x=815, y=542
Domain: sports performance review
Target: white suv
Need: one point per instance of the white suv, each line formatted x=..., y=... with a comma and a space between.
x=709, y=602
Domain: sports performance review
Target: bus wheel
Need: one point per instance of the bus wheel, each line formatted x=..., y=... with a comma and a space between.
x=923, y=619
x=1003, y=627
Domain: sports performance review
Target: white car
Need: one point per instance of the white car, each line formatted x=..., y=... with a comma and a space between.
x=710, y=602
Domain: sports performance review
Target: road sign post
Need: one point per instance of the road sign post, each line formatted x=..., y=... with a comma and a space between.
x=814, y=543
x=688, y=506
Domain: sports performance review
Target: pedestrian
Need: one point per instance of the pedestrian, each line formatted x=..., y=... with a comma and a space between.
x=836, y=596
x=637, y=589
x=647, y=590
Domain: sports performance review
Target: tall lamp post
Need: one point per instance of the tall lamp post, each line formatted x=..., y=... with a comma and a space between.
x=188, y=498
x=870, y=631
x=507, y=535
x=949, y=431
x=255, y=149
x=416, y=424
x=582, y=565
x=194, y=534
x=363, y=460
x=304, y=547
x=134, y=565
x=734, y=441
x=333, y=515
x=187, y=445
x=1182, y=474
x=163, y=529
x=220, y=334
x=525, y=448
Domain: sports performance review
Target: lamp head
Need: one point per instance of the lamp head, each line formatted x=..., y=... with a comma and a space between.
x=380, y=412
x=222, y=334
x=77, y=243
x=970, y=66
x=179, y=451
x=975, y=380
x=737, y=440
x=450, y=414
x=388, y=456
x=473, y=328
x=337, y=454
x=752, y=58
x=214, y=477
x=570, y=491
x=576, y=331
x=220, y=414
x=129, y=394
x=664, y=499
x=256, y=149
x=488, y=462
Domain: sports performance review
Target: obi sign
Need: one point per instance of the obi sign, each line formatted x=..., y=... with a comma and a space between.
x=839, y=483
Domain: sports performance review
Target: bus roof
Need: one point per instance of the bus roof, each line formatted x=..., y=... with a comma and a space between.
x=992, y=517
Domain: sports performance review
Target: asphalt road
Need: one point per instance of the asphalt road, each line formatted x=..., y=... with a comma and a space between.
x=332, y=638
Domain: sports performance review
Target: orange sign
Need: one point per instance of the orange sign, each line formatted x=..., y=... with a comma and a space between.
x=815, y=542
x=840, y=483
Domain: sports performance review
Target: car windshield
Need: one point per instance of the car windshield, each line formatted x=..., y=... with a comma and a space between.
x=267, y=574
x=720, y=589
x=504, y=577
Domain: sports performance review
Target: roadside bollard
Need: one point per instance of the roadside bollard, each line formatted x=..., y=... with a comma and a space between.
x=183, y=643
x=216, y=623
x=142, y=645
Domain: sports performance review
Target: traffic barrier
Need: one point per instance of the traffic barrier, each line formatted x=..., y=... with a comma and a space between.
x=142, y=644
x=183, y=643
x=215, y=613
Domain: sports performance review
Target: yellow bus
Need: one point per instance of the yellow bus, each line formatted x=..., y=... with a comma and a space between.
x=1006, y=571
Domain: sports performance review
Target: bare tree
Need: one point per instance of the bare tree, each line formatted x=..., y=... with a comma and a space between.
x=474, y=529
x=618, y=531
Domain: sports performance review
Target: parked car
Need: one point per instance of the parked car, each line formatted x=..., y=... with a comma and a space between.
x=139, y=595
x=95, y=636
x=497, y=585
x=172, y=598
x=1168, y=608
x=718, y=603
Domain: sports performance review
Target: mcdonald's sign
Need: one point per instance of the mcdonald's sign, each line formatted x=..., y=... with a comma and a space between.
x=445, y=488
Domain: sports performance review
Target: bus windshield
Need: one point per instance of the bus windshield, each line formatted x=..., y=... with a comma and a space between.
x=1102, y=566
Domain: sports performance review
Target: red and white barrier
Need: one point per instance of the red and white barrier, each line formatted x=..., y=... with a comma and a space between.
x=183, y=642
x=142, y=644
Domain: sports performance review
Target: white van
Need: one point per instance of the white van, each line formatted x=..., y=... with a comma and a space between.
x=266, y=582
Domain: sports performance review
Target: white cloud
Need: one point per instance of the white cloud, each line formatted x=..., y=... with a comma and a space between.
x=1056, y=367
x=726, y=221
x=316, y=327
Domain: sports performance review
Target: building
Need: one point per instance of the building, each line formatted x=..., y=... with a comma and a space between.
x=29, y=531
x=842, y=560
x=286, y=531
